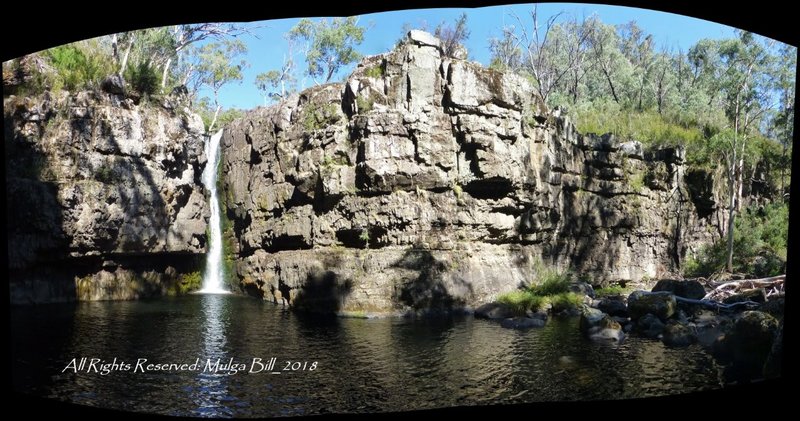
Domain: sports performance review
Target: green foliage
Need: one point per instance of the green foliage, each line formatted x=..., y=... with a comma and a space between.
x=188, y=282
x=521, y=301
x=552, y=289
x=610, y=290
x=205, y=109
x=636, y=182
x=77, y=66
x=650, y=128
x=552, y=282
x=331, y=44
x=318, y=116
x=565, y=301
x=375, y=72
x=105, y=174
x=143, y=78
x=759, y=244
x=458, y=191
x=364, y=105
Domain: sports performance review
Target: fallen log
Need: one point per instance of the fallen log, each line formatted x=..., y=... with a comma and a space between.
x=731, y=287
x=715, y=305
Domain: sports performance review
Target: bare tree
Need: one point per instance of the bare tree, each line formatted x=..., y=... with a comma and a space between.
x=540, y=49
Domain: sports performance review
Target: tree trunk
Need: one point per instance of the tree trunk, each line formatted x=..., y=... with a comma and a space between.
x=731, y=209
x=165, y=73
x=611, y=85
x=125, y=57
x=214, y=120
x=732, y=187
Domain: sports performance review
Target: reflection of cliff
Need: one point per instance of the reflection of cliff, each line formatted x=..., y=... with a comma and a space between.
x=104, y=196
x=419, y=158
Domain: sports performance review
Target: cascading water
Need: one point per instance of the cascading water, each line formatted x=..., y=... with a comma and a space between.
x=212, y=279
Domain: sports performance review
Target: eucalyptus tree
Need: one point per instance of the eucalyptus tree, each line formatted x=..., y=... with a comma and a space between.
x=329, y=44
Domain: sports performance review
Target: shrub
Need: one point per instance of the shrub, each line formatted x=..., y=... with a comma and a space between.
x=143, y=78
x=610, y=290
x=77, y=66
x=552, y=282
x=364, y=105
x=316, y=116
x=374, y=72
x=759, y=244
x=565, y=301
x=521, y=301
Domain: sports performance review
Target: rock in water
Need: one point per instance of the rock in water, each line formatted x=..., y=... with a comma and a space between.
x=493, y=311
x=596, y=325
x=522, y=323
x=678, y=335
x=659, y=304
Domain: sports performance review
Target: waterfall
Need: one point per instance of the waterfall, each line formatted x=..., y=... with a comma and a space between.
x=212, y=279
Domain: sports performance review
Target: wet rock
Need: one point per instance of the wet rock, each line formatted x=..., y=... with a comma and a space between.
x=614, y=306
x=749, y=342
x=596, y=325
x=493, y=311
x=772, y=367
x=582, y=288
x=678, y=335
x=522, y=323
x=541, y=315
x=659, y=304
x=650, y=326
x=686, y=288
x=774, y=306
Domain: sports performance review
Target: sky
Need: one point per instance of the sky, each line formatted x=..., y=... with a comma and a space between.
x=267, y=47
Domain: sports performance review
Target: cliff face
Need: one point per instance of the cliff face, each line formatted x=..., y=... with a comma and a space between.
x=104, y=197
x=425, y=182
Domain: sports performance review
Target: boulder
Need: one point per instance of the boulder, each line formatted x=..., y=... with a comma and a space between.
x=614, y=306
x=650, y=326
x=678, y=335
x=114, y=84
x=689, y=288
x=582, y=288
x=493, y=311
x=659, y=304
x=750, y=340
x=423, y=38
x=596, y=325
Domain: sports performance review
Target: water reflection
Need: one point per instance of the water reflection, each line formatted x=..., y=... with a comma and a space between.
x=363, y=365
x=210, y=394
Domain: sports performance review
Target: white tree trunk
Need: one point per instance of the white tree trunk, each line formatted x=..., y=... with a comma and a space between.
x=165, y=73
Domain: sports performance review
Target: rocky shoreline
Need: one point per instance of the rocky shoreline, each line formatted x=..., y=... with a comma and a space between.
x=747, y=338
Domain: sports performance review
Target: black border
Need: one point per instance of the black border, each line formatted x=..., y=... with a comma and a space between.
x=28, y=29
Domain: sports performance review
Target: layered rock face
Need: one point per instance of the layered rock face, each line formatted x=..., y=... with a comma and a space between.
x=430, y=183
x=104, y=196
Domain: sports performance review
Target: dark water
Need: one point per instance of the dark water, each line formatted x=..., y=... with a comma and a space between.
x=362, y=365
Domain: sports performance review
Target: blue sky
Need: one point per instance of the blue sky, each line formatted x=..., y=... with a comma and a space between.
x=266, y=52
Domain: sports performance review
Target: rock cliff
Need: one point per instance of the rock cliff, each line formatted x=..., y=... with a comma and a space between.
x=425, y=182
x=104, y=197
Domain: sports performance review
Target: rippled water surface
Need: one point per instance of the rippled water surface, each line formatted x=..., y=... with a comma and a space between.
x=362, y=365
